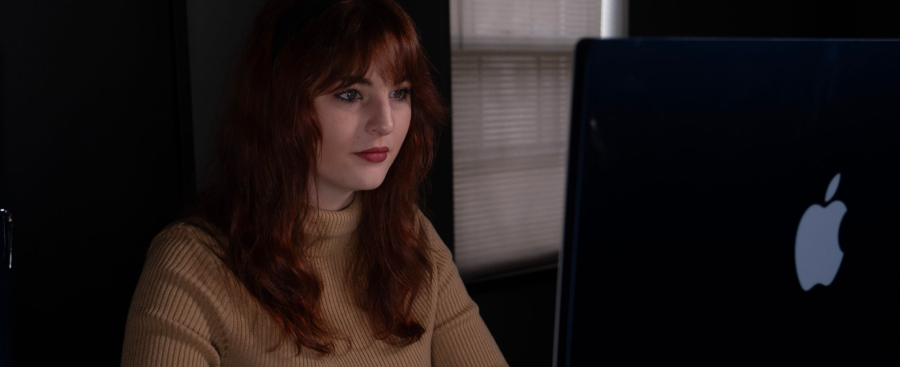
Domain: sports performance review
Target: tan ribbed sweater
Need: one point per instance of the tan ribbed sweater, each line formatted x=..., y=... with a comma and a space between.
x=190, y=310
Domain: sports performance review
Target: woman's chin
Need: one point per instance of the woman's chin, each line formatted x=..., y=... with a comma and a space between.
x=368, y=185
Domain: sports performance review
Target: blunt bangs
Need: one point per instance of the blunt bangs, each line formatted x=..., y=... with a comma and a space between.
x=363, y=38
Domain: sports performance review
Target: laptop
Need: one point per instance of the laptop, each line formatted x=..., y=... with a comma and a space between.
x=732, y=200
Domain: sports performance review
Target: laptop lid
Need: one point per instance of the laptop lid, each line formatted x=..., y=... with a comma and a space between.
x=731, y=199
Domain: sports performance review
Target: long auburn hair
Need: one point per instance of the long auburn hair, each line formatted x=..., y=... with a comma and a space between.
x=255, y=194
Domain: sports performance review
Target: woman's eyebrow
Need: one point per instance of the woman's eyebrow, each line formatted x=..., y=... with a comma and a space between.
x=368, y=83
x=355, y=80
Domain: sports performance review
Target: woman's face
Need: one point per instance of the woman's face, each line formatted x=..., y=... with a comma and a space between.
x=372, y=115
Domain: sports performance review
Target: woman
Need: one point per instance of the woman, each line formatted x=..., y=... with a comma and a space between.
x=307, y=247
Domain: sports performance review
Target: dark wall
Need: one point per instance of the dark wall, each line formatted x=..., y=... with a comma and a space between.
x=432, y=19
x=6, y=283
x=94, y=159
x=519, y=312
x=215, y=30
x=784, y=19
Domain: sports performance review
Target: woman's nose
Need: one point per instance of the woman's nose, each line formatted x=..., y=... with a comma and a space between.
x=381, y=119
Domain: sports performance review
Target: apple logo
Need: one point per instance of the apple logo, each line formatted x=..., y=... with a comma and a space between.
x=816, y=251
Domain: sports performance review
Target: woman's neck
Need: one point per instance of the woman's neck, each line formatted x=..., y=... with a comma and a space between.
x=330, y=201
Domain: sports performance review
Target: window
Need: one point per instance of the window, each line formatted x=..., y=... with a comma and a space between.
x=511, y=64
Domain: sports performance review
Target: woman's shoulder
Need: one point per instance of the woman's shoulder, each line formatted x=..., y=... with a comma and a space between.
x=187, y=240
x=439, y=249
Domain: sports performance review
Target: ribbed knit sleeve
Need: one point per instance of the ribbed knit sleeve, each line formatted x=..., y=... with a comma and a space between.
x=177, y=314
x=460, y=336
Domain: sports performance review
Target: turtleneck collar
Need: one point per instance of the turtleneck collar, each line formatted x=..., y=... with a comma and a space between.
x=330, y=232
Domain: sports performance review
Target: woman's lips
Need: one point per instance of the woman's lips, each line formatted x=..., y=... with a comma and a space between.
x=375, y=155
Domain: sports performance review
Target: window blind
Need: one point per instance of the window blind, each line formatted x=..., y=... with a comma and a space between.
x=511, y=66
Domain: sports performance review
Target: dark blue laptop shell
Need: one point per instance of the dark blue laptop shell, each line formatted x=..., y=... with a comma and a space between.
x=691, y=164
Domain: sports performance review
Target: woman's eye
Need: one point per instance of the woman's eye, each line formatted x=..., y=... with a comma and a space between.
x=349, y=95
x=400, y=93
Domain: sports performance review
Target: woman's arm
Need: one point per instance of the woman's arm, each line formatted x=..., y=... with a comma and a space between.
x=460, y=336
x=177, y=313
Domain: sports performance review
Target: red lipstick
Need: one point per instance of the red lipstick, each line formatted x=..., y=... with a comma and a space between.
x=377, y=154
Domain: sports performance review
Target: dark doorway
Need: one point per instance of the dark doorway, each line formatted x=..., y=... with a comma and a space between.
x=93, y=156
